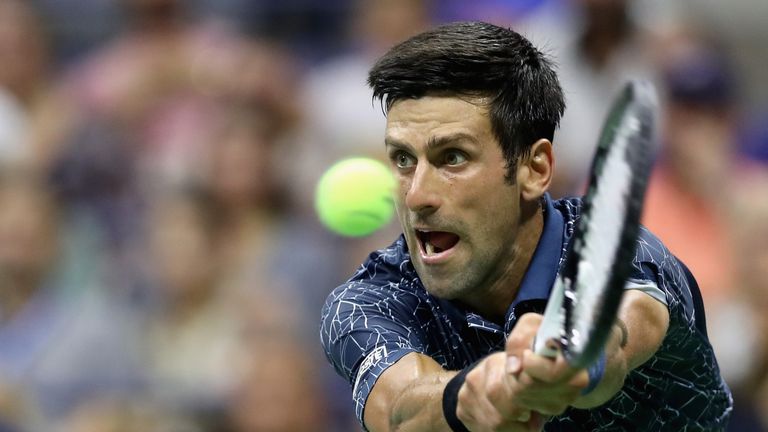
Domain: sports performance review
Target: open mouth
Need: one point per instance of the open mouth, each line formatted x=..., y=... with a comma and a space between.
x=436, y=242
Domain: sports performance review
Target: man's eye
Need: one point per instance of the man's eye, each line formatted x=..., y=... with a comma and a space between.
x=403, y=160
x=455, y=158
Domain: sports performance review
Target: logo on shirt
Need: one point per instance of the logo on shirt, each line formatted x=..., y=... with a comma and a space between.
x=371, y=359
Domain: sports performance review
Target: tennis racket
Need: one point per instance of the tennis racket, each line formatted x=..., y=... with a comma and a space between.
x=588, y=290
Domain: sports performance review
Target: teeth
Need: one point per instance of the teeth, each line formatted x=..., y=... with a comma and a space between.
x=430, y=249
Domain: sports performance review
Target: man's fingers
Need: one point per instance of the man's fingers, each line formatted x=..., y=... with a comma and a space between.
x=547, y=370
x=523, y=334
x=497, y=388
x=580, y=380
x=553, y=371
x=548, y=385
x=474, y=408
x=514, y=365
x=501, y=387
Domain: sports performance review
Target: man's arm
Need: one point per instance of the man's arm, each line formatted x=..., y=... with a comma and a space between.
x=503, y=395
x=645, y=321
x=641, y=327
x=408, y=396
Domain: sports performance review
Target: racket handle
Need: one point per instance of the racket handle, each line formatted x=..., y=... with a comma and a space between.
x=552, y=323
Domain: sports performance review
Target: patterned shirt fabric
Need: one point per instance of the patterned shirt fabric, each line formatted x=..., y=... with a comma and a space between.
x=384, y=312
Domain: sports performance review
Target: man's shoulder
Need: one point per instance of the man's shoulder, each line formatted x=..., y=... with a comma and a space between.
x=649, y=247
x=652, y=262
x=385, y=273
x=386, y=265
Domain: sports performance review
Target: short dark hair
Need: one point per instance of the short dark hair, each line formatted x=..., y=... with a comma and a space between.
x=476, y=58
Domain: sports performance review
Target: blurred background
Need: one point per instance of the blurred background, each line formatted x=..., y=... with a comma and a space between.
x=161, y=267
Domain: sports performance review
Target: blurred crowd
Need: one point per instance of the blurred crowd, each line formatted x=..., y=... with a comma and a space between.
x=161, y=267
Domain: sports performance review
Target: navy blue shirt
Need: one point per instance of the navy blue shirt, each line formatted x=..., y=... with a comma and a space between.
x=384, y=312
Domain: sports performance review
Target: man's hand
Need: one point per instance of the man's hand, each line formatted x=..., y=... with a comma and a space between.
x=512, y=391
x=487, y=400
x=545, y=385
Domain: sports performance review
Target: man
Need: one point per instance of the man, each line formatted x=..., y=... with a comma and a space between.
x=433, y=332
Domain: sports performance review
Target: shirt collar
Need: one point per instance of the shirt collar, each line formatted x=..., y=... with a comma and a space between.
x=540, y=276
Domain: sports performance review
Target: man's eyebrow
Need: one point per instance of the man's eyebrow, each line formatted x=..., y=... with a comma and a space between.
x=434, y=142
x=392, y=142
x=448, y=140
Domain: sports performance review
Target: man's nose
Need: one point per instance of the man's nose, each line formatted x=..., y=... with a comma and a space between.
x=423, y=195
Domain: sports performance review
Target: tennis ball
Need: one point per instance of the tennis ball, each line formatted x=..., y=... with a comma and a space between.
x=354, y=196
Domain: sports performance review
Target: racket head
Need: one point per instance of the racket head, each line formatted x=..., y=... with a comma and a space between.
x=600, y=254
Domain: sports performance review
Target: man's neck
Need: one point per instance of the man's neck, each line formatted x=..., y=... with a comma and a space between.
x=493, y=303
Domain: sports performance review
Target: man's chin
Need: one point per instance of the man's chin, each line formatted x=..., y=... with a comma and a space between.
x=441, y=289
x=445, y=285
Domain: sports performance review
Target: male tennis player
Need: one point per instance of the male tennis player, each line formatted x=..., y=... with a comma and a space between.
x=434, y=332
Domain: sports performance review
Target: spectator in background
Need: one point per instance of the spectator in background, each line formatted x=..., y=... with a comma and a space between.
x=497, y=11
x=754, y=137
x=341, y=119
x=193, y=332
x=115, y=414
x=742, y=327
x=56, y=344
x=689, y=189
x=164, y=80
x=263, y=247
x=243, y=179
x=139, y=109
x=14, y=409
x=230, y=261
x=603, y=48
x=29, y=312
x=175, y=101
x=23, y=77
x=266, y=251
x=695, y=203
x=280, y=390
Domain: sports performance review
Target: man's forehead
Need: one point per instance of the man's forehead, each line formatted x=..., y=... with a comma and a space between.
x=433, y=112
x=467, y=100
x=435, y=122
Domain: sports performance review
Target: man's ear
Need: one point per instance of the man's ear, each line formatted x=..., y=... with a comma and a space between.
x=534, y=174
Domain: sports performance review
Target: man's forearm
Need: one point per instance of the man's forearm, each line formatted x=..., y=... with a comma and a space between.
x=408, y=397
x=419, y=407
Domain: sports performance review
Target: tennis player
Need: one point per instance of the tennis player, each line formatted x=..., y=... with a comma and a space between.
x=434, y=332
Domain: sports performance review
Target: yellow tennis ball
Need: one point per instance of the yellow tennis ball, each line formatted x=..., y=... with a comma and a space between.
x=354, y=196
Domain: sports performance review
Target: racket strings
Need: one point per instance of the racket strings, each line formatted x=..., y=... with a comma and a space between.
x=602, y=236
